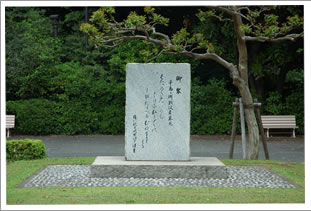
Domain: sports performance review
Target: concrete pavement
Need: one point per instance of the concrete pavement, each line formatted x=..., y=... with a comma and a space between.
x=280, y=148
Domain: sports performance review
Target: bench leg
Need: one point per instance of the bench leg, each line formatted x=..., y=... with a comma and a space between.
x=267, y=132
x=8, y=133
x=294, y=133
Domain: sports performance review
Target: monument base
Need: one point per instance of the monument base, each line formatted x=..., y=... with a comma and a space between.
x=196, y=167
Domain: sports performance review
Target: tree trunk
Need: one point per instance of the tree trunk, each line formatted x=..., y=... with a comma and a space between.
x=241, y=82
x=252, y=126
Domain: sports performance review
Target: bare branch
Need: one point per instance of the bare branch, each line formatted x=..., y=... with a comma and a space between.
x=223, y=9
x=244, y=8
x=193, y=49
x=113, y=42
x=134, y=37
x=265, y=8
x=156, y=57
x=290, y=37
x=222, y=19
x=229, y=11
x=162, y=35
x=212, y=56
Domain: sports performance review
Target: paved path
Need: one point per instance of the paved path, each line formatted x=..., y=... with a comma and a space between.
x=281, y=148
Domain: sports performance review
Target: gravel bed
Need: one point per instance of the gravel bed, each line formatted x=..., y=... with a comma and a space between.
x=79, y=176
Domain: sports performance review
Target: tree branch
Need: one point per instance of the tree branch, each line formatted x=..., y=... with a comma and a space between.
x=232, y=12
x=244, y=8
x=156, y=56
x=290, y=37
x=223, y=9
x=162, y=35
x=222, y=19
x=167, y=46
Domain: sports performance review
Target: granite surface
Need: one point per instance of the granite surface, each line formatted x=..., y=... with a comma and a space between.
x=157, y=122
x=156, y=171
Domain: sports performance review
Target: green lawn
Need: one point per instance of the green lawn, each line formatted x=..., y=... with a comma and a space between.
x=18, y=171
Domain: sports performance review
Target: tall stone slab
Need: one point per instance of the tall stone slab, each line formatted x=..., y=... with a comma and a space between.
x=157, y=121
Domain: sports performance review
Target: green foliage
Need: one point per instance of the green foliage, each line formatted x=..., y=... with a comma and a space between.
x=211, y=108
x=77, y=117
x=295, y=76
x=294, y=105
x=215, y=38
x=43, y=117
x=294, y=102
x=57, y=87
x=29, y=47
x=149, y=10
x=27, y=149
x=271, y=60
x=154, y=17
x=134, y=20
x=81, y=100
x=295, y=21
x=137, y=51
x=100, y=17
x=180, y=37
x=272, y=24
x=111, y=119
x=73, y=40
x=257, y=66
x=246, y=28
x=271, y=19
x=273, y=104
x=130, y=52
x=35, y=116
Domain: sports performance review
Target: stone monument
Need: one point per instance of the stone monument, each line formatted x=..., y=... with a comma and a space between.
x=157, y=121
x=157, y=128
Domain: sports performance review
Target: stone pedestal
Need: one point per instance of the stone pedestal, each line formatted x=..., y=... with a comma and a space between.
x=196, y=167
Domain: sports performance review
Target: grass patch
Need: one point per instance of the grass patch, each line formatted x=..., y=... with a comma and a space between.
x=18, y=171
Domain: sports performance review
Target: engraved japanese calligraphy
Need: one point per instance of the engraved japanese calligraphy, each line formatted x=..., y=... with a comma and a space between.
x=157, y=125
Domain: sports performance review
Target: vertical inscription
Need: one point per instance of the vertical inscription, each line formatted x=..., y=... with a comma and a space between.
x=147, y=121
x=178, y=89
x=153, y=109
x=161, y=101
x=170, y=104
x=154, y=112
x=134, y=132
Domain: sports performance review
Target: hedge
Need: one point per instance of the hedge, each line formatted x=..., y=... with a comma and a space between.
x=27, y=149
x=96, y=116
x=211, y=112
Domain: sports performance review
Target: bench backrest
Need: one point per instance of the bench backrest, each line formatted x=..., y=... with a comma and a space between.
x=10, y=121
x=279, y=121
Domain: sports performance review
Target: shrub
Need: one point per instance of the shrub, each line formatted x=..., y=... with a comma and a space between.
x=35, y=116
x=44, y=117
x=294, y=105
x=27, y=149
x=77, y=117
x=273, y=104
x=111, y=120
x=211, y=108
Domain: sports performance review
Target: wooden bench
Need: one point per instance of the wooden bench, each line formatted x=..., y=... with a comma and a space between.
x=279, y=122
x=10, y=123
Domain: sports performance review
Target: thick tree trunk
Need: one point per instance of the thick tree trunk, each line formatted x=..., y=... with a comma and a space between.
x=241, y=82
x=252, y=126
x=250, y=118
